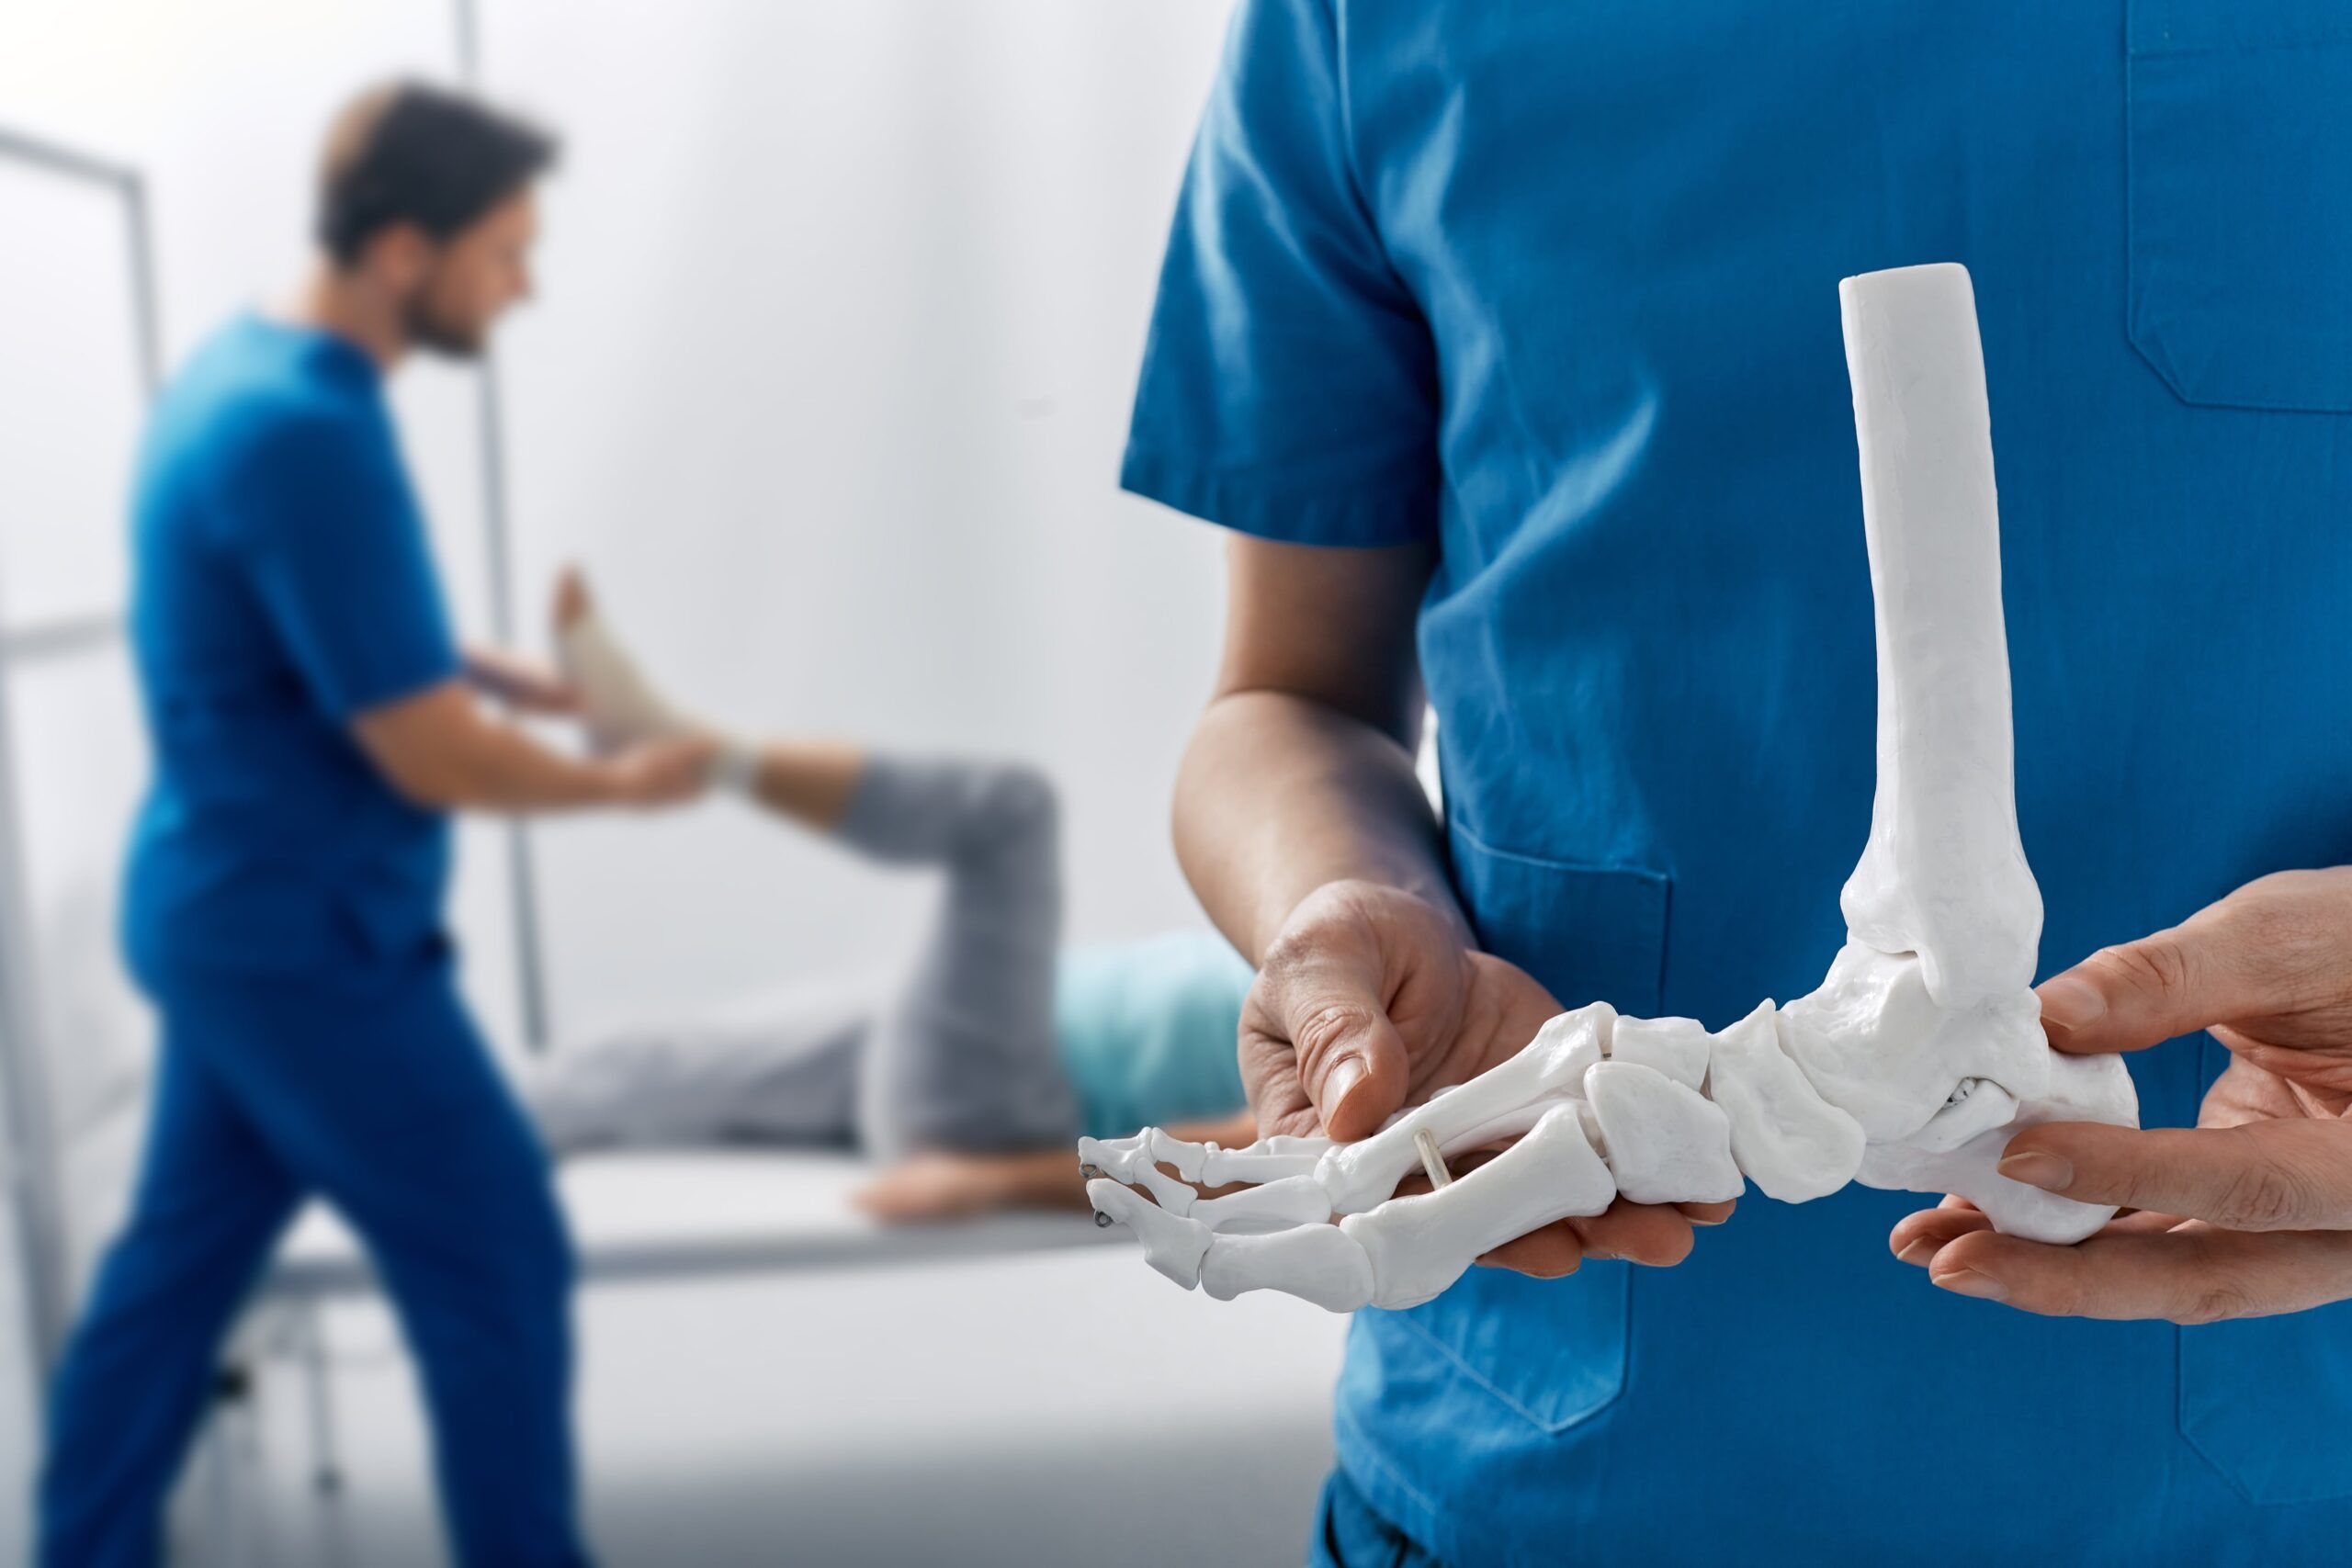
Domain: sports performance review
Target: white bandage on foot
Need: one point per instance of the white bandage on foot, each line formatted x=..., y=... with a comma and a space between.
x=1912, y=1065
x=620, y=706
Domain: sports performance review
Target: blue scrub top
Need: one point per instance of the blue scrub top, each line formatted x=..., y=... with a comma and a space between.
x=1554, y=285
x=1146, y=1031
x=282, y=584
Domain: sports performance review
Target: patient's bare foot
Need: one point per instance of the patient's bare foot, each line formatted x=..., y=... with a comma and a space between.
x=944, y=1187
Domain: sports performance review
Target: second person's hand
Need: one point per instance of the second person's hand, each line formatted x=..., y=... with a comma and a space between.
x=1372, y=998
x=2248, y=1212
x=659, y=772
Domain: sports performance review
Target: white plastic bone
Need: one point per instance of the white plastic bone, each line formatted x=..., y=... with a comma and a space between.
x=1666, y=1142
x=1943, y=875
x=1792, y=1142
x=1675, y=1047
x=1322, y=1263
x=2082, y=1088
x=1876, y=1045
x=1911, y=1066
x=1418, y=1246
x=1494, y=1105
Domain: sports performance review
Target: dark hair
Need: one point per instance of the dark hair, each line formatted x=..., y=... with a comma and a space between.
x=407, y=153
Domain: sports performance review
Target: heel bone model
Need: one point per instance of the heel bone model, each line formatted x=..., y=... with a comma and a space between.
x=1911, y=1066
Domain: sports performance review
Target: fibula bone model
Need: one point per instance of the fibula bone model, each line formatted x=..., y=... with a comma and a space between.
x=1911, y=1066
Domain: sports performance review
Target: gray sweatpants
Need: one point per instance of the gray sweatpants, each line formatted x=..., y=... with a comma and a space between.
x=959, y=1055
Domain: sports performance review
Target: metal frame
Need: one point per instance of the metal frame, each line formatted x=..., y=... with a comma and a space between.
x=36, y=1174
x=530, y=972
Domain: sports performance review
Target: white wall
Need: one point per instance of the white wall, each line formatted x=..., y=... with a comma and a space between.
x=842, y=305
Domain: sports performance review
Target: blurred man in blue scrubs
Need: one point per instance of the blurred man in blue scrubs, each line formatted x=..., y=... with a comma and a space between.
x=313, y=726
x=1505, y=338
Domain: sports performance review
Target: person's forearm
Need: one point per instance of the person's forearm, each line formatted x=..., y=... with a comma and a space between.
x=442, y=750
x=1280, y=795
x=500, y=768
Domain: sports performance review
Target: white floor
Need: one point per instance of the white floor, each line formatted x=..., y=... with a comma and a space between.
x=1051, y=1408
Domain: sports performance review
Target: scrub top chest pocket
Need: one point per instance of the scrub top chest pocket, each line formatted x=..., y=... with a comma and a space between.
x=2239, y=152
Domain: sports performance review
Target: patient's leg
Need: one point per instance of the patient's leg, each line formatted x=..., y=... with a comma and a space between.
x=810, y=781
x=782, y=1070
x=964, y=1059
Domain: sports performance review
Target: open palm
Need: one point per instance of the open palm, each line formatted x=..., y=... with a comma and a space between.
x=1371, y=999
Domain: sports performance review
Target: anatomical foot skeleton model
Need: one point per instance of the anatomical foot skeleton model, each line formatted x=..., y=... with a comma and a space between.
x=1911, y=1066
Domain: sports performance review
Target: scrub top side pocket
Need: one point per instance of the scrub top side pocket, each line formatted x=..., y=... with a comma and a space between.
x=1550, y=1351
x=2239, y=176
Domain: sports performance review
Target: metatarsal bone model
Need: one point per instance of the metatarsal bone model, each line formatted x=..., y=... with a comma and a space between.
x=1911, y=1066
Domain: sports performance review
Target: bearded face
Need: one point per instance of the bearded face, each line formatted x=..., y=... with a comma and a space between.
x=471, y=279
x=436, y=323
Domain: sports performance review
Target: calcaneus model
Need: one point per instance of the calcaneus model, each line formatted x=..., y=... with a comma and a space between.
x=1911, y=1066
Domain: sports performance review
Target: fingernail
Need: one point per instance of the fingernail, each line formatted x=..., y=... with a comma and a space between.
x=1917, y=1253
x=2070, y=1003
x=1345, y=1074
x=2035, y=1168
x=1969, y=1282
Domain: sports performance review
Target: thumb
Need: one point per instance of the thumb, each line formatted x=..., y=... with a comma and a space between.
x=2140, y=993
x=1352, y=1061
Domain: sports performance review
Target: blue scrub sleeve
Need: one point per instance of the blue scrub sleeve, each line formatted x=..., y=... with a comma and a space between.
x=335, y=546
x=1289, y=386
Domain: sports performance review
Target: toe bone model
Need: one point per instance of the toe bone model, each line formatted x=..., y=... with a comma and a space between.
x=1912, y=1065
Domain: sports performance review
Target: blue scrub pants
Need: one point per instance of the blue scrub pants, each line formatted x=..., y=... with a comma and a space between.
x=378, y=1094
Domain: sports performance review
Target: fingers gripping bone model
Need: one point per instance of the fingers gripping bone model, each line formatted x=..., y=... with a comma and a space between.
x=1911, y=1066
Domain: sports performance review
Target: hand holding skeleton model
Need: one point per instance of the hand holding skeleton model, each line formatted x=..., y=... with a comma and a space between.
x=1370, y=997
x=2248, y=1212
x=1912, y=1065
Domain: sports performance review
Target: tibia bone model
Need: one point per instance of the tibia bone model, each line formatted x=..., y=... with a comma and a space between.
x=1913, y=1064
x=619, y=706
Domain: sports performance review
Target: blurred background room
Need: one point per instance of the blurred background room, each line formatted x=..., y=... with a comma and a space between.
x=840, y=311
